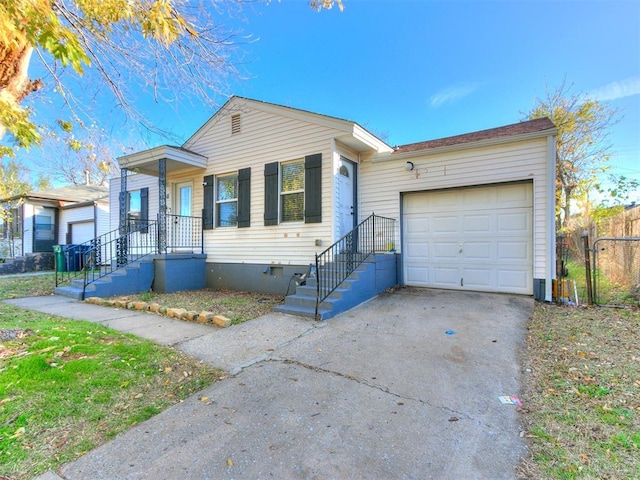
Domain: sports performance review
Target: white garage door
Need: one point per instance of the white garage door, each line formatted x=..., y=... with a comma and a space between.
x=82, y=232
x=477, y=238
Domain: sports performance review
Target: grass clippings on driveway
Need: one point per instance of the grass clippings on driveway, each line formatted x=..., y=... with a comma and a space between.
x=582, y=393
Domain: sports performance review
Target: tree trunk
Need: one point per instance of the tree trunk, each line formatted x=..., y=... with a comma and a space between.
x=15, y=83
x=566, y=208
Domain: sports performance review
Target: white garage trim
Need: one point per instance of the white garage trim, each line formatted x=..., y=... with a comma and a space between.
x=476, y=238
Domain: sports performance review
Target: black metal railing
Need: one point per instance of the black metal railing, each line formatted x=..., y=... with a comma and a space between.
x=96, y=258
x=103, y=256
x=334, y=265
x=113, y=250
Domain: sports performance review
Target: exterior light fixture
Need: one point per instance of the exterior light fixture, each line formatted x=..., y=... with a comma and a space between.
x=409, y=166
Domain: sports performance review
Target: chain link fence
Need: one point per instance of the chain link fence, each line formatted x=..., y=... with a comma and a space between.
x=616, y=271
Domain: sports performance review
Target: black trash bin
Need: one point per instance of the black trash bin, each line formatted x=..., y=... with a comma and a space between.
x=72, y=254
x=84, y=253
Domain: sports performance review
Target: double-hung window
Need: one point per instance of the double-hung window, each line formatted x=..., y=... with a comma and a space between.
x=227, y=200
x=292, y=191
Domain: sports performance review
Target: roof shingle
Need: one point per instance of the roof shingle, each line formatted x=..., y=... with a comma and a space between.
x=529, y=126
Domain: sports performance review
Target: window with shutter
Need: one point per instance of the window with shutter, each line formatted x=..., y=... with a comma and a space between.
x=292, y=191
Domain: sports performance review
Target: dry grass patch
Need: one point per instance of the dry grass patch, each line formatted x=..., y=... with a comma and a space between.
x=582, y=394
x=237, y=306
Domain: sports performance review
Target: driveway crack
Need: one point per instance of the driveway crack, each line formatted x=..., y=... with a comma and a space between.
x=370, y=384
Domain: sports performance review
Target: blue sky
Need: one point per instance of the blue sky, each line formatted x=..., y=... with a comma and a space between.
x=414, y=70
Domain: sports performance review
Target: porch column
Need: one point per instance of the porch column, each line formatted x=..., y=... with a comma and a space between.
x=122, y=242
x=162, y=205
x=122, y=223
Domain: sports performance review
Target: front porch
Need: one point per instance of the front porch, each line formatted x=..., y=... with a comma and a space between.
x=151, y=248
x=164, y=255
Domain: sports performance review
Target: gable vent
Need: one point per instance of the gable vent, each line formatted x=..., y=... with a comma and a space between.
x=235, y=124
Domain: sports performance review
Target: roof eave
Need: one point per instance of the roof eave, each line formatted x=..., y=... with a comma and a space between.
x=147, y=161
x=467, y=146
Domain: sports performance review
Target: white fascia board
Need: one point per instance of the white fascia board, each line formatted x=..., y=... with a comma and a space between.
x=144, y=158
x=368, y=138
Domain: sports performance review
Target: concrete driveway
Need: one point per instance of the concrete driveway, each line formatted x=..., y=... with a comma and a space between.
x=404, y=386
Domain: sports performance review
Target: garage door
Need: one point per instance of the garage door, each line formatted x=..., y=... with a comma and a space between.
x=477, y=238
x=82, y=232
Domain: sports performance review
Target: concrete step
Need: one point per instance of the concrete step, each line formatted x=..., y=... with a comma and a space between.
x=136, y=277
x=348, y=294
x=69, y=291
x=307, y=312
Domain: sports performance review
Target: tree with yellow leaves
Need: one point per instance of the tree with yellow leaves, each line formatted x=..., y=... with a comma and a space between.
x=177, y=47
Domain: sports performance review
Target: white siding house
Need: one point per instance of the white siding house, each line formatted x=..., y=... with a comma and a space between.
x=59, y=216
x=275, y=185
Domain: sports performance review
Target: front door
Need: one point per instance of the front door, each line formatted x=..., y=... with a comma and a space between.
x=346, y=209
x=180, y=224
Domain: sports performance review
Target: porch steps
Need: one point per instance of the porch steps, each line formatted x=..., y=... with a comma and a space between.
x=136, y=277
x=357, y=288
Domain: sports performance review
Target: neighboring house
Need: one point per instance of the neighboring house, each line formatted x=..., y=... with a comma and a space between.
x=274, y=185
x=68, y=215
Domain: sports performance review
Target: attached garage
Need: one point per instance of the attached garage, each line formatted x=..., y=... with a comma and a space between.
x=477, y=238
x=475, y=211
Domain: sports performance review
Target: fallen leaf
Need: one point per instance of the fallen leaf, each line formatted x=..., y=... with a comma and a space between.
x=18, y=433
x=204, y=399
x=230, y=462
x=453, y=419
x=139, y=395
x=62, y=441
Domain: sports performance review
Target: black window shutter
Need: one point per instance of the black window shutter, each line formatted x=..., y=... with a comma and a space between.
x=313, y=188
x=207, y=210
x=244, y=197
x=271, y=194
x=144, y=209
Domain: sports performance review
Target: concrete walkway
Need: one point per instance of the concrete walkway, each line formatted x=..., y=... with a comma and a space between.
x=405, y=386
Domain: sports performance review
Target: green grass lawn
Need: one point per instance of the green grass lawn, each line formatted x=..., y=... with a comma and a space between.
x=67, y=386
x=27, y=286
